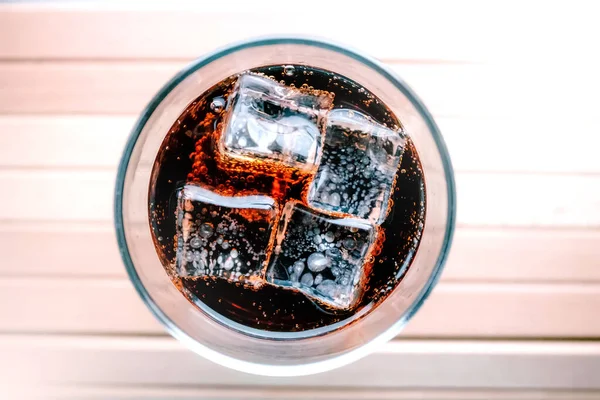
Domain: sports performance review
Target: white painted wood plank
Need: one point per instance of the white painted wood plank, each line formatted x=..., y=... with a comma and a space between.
x=524, y=255
x=36, y=35
x=71, y=305
x=483, y=199
x=89, y=87
x=405, y=364
x=513, y=144
x=474, y=144
x=478, y=255
x=503, y=310
x=49, y=87
x=41, y=249
x=477, y=90
x=404, y=29
x=527, y=200
x=62, y=141
x=454, y=309
x=120, y=392
x=57, y=195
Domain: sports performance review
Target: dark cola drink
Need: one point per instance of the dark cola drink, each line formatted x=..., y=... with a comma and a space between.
x=287, y=198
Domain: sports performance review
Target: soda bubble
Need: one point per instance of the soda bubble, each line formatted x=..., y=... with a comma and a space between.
x=206, y=230
x=349, y=243
x=298, y=267
x=329, y=236
x=307, y=279
x=317, y=262
x=195, y=242
x=289, y=70
x=217, y=104
x=318, y=279
x=228, y=264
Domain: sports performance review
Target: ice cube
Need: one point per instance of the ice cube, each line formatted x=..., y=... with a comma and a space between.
x=266, y=119
x=357, y=167
x=322, y=257
x=222, y=236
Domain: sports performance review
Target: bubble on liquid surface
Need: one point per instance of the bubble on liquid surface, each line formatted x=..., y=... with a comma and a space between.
x=289, y=70
x=217, y=104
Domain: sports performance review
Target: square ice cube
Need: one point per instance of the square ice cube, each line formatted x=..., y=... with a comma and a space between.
x=266, y=119
x=322, y=257
x=222, y=236
x=357, y=167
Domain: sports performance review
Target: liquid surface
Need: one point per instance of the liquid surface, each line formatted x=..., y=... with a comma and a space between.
x=191, y=154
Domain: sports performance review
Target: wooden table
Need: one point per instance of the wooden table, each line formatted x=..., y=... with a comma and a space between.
x=515, y=90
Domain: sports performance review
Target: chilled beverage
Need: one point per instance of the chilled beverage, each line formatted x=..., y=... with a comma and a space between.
x=287, y=198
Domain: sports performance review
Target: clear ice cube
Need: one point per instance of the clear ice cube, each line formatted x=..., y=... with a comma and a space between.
x=322, y=257
x=222, y=236
x=266, y=119
x=357, y=168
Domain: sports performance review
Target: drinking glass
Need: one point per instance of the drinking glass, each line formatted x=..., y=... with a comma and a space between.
x=268, y=354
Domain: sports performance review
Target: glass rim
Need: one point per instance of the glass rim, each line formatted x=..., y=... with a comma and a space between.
x=165, y=320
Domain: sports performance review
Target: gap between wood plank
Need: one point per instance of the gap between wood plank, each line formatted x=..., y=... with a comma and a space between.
x=396, y=346
x=177, y=392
